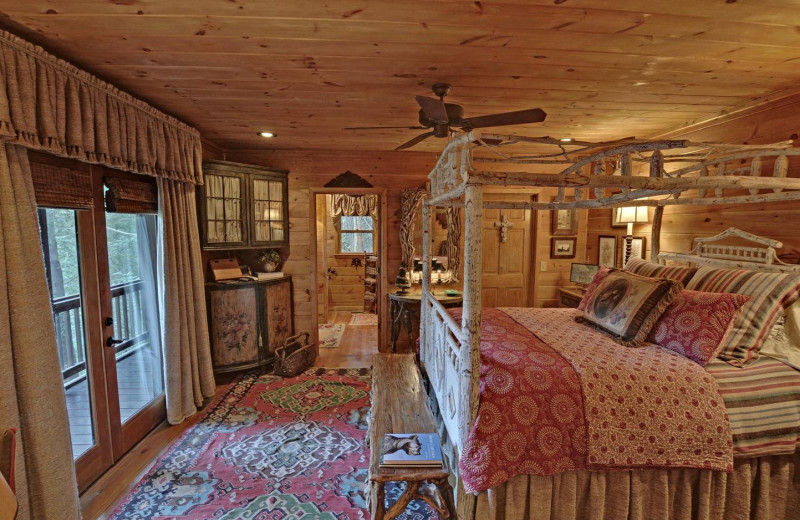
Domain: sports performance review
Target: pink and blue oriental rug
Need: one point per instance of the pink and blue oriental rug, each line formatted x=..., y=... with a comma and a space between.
x=269, y=449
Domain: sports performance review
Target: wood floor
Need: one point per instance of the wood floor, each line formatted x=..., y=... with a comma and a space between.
x=358, y=344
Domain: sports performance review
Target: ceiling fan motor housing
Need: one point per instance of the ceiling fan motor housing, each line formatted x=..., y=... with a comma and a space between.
x=455, y=113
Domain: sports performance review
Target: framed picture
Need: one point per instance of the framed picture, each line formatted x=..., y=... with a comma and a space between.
x=582, y=274
x=562, y=247
x=638, y=249
x=607, y=251
x=565, y=221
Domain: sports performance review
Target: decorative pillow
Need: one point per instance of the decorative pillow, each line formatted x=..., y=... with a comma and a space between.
x=628, y=306
x=599, y=276
x=694, y=324
x=679, y=273
x=769, y=293
x=783, y=342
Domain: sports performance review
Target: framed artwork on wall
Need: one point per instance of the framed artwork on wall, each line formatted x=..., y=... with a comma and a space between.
x=562, y=247
x=564, y=221
x=638, y=249
x=607, y=250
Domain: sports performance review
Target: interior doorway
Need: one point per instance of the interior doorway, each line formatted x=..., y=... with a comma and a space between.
x=348, y=238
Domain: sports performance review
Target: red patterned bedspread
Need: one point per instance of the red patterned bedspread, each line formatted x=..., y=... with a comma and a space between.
x=568, y=398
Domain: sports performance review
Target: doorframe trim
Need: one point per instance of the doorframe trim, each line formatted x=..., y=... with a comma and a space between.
x=382, y=217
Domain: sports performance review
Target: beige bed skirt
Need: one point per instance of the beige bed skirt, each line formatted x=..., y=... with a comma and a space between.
x=765, y=488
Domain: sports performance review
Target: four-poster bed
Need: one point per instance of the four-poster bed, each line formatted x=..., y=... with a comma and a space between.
x=705, y=174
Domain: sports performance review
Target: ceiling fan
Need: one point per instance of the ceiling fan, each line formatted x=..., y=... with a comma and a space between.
x=442, y=117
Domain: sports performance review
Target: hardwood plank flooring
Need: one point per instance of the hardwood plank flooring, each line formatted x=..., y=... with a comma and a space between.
x=358, y=344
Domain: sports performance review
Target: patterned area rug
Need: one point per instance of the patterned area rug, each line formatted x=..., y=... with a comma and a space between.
x=268, y=449
x=330, y=334
x=363, y=319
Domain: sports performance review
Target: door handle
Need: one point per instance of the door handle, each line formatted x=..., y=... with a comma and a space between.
x=110, y=342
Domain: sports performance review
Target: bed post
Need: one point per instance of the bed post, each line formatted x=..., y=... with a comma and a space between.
x=424, y=315
x=655, y=244
x=469, y=373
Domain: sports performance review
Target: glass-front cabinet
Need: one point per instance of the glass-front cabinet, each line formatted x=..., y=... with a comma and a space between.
x=242, y=205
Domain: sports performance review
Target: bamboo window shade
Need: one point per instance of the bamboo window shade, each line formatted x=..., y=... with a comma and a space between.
x=130, y=196
x=58, y=187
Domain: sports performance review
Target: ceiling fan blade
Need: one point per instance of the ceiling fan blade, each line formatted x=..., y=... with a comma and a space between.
x=433, y=108
x=412, y=142
x=384, y=127
x=520, y=117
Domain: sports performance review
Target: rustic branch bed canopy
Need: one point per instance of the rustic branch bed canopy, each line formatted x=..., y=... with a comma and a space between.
x=626, y=172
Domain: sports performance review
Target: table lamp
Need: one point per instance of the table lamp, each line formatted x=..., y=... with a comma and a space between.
x=630, y=215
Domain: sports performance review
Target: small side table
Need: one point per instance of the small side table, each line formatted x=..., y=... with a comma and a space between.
x=403, y=308
x=571, y=296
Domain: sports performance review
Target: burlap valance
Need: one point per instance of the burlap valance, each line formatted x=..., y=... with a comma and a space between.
x=48, y=104
x=354, y=205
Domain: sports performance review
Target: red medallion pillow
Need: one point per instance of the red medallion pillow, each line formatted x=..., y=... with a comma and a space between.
x=695, y=323
x=599, y=276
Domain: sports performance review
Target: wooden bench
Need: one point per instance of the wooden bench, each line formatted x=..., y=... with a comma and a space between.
x=399, y=405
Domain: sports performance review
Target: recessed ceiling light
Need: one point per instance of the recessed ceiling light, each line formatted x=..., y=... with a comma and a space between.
x=566, y=140
x=267, y=134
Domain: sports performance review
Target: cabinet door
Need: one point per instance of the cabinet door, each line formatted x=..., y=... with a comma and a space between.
x=234, y=328
x=279, y=314
x=223, y=210
x=269, y=215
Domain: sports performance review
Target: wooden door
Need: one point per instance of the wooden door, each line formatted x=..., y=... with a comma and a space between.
x=507, y=280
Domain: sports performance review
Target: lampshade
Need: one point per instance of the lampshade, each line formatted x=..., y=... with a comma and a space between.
x=632, y=214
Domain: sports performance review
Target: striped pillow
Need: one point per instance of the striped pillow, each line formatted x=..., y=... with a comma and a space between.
x=770, y=293
x=679, y=273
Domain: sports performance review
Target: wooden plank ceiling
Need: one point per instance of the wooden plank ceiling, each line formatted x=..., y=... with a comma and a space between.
x=305, y=69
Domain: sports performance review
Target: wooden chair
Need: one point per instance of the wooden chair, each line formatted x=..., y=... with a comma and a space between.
x=8, y=501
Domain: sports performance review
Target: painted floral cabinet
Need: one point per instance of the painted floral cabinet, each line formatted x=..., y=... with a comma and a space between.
x=247, y=321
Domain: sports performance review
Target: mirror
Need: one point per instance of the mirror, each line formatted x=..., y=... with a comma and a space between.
x=446, y=234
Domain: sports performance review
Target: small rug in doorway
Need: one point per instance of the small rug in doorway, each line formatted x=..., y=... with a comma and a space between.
x=330, y=334
x=363, y=318
x=269, y=448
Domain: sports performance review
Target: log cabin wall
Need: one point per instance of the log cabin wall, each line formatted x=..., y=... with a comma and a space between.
x=768, y=123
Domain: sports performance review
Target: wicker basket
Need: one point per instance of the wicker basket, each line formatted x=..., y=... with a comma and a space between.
x=295, y=356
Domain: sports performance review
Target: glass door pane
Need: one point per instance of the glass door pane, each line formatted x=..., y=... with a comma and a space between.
x=133, y=275
x=59, y=235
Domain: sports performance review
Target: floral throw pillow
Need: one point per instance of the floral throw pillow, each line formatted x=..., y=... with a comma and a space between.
x=627, y=306
x=695, y=323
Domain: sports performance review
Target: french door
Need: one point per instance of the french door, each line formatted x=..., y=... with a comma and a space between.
x=103, y=274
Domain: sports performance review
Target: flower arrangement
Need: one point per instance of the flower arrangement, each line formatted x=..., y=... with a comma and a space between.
x=271, y=259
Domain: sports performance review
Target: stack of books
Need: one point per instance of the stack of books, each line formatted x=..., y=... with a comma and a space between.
x=411, y=450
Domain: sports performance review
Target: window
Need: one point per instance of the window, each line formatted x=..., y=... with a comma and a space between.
x=356, y=235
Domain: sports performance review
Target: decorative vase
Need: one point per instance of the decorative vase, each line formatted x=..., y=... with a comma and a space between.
x=270, y=267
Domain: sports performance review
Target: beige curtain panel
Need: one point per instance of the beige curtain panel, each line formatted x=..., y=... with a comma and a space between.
x=32, y=394
x=343, y=205
x=47, y=104
x=188, y=374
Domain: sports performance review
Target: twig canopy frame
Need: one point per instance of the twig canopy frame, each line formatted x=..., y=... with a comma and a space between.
x=627, y=172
